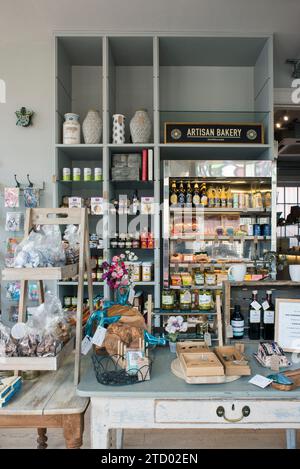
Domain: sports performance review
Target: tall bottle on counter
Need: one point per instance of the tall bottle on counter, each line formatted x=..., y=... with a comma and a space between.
x=254, y=317
x=237, y=323
x=268, y=317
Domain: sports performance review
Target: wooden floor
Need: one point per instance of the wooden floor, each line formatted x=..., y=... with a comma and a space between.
x=150, y=439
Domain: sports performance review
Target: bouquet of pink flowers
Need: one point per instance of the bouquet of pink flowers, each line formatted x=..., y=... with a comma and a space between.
x=115, y=273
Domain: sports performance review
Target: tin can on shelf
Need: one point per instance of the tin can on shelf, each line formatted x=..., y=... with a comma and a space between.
x=235, y=199
x=67, y=301
x=76, y=174
x=66, y=174
x=146, y=271
x=136, y=271
x=87, y=174
x=98, y=174
x=256, y=230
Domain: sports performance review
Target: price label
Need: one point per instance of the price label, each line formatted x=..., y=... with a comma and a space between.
x=86, y=345
x=229, y=331
x=255, y=305
x=265, y=305
x=207, y=339
x=99, y=336
x=131, y=296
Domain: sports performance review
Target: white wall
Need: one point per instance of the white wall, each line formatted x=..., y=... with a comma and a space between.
x=26, y=56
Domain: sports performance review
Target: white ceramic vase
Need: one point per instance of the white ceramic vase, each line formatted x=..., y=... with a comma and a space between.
x=140, y=127
x=92, y=127
x=118, y=130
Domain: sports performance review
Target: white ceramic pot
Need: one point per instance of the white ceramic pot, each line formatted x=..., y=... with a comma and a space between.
x=294, y=270
x=92, y=127
x=140, y=127
x=71, y=129
x=118, y=131
x=237, y=272
x=172, y=346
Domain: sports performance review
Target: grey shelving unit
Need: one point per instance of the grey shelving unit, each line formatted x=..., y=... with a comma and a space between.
x=179, y=76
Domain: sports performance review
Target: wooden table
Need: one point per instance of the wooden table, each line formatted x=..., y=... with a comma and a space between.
x=168, y=402
x=50, y=401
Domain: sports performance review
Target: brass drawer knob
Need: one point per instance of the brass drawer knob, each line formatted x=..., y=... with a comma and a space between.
x=245, y=413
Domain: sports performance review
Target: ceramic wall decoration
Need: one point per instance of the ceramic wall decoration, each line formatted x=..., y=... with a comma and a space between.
x=71, y=129
x=118, y=131
x=140, y=127
x=92, y=127
x=24, y=117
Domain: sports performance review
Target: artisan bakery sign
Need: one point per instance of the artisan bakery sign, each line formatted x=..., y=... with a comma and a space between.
x=192, y=132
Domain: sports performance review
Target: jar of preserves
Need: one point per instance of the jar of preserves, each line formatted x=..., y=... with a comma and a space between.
x=210, y=278
x=136, y=241
x=146, y=271
x=198, y=277
x=185, y=299
x=205, y=300
x=168, y=299
x=268, y=199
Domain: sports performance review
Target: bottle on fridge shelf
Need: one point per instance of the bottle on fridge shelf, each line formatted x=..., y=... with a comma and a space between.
x=237, y=323
x=235, y=200
x=189, y=195
x=211, y=195
x=254, y=317
x=174, y=194
x=223, y=197
x=218, y=197
x=181, y=194
x=229, y=198
x=196, y=195
x=268, y=317
x=203, y=196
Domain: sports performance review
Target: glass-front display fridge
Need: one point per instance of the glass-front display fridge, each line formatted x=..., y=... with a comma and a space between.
x=219, y=222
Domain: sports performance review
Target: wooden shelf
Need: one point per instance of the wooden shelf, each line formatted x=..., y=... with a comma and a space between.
x=71, y=282
x=40, y=273
x=266, y=283
x=198, y=287
x=37, y=363
x=185, y=265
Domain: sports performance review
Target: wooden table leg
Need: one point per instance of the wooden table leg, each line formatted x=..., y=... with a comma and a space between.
x=291, y=440
x=119, y=438
x=42, y=438
x=73, y=425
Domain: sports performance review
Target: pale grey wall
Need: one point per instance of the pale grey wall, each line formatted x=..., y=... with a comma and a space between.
x=26, y=55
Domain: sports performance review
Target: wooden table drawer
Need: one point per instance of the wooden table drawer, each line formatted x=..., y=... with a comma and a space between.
x=241, y=411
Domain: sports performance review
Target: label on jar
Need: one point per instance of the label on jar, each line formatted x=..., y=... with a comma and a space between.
x=185, y=297
x=210, y=279
x=254, y=316
x=167, y=300
x=205, y=300
x=269, y=316
x=199, y=278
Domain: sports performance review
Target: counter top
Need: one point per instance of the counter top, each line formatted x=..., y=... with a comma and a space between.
x=164, y=384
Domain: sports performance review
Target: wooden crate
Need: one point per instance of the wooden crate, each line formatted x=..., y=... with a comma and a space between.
x=201, y=364
x=37, y=363
x=41, y=273
x=190, y=346
x=233, y=360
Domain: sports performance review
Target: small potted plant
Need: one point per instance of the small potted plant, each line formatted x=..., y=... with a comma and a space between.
x=174, y=326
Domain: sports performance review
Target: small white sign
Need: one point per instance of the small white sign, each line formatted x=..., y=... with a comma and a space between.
x=86, y=345
x=260, y=381
x=99, y=336
x=265, y=305
x=255, y=305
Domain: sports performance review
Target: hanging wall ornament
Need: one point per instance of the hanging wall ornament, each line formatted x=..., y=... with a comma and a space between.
x=31, y=197
x=24, y=117
x=11, y=197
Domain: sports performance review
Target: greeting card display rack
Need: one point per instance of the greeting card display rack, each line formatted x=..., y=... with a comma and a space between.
x=53, y=216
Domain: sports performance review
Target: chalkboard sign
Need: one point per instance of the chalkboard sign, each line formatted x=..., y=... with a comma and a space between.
x=194, y=132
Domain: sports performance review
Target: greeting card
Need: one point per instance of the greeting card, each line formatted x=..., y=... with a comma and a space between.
x=31, y=197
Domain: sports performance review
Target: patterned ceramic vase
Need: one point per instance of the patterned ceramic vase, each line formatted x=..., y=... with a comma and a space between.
x=92, y=127
x=118, y=131
x=140, y=127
